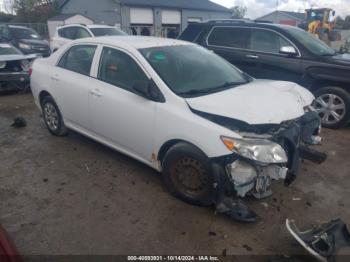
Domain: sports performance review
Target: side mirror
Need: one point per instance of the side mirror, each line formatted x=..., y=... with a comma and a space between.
x=149, y=90
x=288, y=50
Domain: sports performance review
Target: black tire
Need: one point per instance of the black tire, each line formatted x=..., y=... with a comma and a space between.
x=55, y=126
x=344, y=96
x=195, y=165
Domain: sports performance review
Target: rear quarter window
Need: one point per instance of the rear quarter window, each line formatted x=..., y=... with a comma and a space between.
x=191, y=33
x=233, y=37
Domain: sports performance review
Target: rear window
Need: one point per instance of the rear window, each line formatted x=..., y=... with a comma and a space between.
x=191, y=33
x=106, y=31
x=230, y=37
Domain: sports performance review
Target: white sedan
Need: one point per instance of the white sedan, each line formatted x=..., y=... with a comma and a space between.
x=183, y=111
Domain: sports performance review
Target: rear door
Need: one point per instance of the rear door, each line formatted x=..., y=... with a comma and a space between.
x=70, y=81
x=233, y=44
x=271, y=64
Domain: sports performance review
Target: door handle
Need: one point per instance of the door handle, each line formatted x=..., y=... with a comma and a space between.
x=55, y=78
x=96, y=93
x=252, y=56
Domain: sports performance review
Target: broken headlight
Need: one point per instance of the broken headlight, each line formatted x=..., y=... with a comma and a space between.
x=262, y=150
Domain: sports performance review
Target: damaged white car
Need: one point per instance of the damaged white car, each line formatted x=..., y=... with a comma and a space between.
x=215, y=133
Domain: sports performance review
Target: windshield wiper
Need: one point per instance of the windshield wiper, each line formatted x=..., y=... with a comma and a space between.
x=213, y=90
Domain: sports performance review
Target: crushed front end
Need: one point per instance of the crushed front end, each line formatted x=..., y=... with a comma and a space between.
x=268, y=152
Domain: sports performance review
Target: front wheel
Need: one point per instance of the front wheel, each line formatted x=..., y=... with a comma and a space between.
x=189, y=175
x=52, y=117
x=333, y=106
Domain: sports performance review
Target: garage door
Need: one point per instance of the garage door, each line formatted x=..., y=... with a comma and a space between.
x=141, y=16
x=171, y=17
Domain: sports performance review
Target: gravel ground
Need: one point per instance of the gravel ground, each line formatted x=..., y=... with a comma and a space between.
x=72, y=196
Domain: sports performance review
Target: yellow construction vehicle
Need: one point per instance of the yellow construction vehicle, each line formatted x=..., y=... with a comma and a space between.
x=320, y=22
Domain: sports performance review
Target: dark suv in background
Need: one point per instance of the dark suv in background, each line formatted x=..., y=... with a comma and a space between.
x=25, y=39
x=282, y=52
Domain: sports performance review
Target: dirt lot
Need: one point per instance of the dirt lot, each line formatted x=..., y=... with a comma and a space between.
x=73, y=196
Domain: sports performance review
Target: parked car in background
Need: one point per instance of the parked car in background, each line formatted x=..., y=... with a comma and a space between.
x=67, y=33
x=14, y=68
x=25, y=39
x=281, y=52
x=182, y=110
x=347, y=44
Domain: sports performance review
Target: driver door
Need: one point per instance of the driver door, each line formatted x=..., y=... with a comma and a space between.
x=265, y=46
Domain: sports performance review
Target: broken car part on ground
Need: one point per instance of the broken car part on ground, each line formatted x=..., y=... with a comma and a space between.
x=213, y=131
x=323, y=242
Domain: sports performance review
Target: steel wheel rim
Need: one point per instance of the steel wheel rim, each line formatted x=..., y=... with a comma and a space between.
x=331, y=108
x=51, y=116
x=190, y=177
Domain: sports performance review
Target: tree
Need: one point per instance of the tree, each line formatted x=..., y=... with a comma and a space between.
x=238, y=12
x=34, y=11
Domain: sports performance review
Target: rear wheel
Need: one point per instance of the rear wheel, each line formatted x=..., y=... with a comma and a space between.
x=52, y=117
x=333, y=106
x=189, y=176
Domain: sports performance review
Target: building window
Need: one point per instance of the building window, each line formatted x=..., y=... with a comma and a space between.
x=145, y=30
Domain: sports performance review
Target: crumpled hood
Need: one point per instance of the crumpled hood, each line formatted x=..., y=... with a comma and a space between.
x=259, y=102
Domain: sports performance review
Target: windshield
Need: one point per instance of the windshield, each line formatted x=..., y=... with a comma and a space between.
x=106, y=31
x=9, y=50
x=24, y=33
x=190, y=70
x=313, y=44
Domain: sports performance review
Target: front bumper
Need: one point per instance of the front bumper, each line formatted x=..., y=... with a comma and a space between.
x=12, y=81
x=295, y=137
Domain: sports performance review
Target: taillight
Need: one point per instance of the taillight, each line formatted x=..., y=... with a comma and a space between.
x=30, y=71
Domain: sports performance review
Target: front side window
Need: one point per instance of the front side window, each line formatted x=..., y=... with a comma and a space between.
x=119, y=69
x=230, y=37
x=191, y=70
x=267, y=41
x=78, y=59
x=5, y=34
x=314, y=45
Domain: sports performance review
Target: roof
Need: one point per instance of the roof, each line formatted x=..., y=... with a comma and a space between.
x=62, y=17
x=300, y=16
x=179, y=4
x=136, y=42
x=99, y=26
x=88, y=26
x=295, y=15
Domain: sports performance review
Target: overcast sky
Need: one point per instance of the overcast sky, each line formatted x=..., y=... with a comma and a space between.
x=257, y=8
